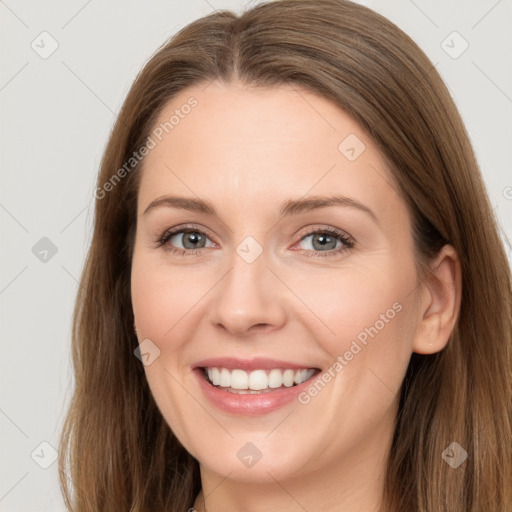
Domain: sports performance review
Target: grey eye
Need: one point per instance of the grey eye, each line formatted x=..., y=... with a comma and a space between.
x=321, y=242
x=189, y=240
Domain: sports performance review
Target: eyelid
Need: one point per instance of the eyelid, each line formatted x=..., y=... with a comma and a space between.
x=322, y=228
x=186, y=227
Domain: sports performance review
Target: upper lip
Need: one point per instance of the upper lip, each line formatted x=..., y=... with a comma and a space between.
x=257, y=363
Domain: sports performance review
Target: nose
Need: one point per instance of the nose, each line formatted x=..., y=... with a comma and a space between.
x=249, y=298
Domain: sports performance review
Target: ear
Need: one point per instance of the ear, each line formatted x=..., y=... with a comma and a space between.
x=439, y=302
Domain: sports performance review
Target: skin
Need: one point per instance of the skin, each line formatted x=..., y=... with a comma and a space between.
x=247, y=150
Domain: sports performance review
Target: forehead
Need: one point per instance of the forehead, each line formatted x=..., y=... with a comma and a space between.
x=244, y=143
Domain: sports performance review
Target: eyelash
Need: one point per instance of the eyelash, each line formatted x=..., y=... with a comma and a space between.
x=348, y=242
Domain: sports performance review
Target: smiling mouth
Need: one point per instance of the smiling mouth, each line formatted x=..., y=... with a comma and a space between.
x=256, y=381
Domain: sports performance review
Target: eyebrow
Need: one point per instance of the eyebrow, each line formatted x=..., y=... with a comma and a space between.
x=290, y=207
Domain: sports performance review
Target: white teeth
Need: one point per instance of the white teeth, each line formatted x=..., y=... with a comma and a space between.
x=257, y=380
x=214, y=376
x=239, y=379
x=288, y=378
x=225, y=378
x=302, y=375
x=275, y=379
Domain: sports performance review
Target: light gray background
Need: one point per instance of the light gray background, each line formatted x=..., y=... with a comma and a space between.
x=57, y=115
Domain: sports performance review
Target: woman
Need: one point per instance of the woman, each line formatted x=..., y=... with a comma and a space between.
x=296, y=297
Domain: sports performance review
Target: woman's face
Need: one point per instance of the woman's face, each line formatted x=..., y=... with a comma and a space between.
x=291, y=252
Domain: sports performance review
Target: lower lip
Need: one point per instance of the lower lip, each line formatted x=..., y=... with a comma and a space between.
x=249, y=404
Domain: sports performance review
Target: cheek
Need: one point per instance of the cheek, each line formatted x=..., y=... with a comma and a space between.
x=363, y=304
x=163, y=304
x=371, y=318
x=154, y=306
x=162, y=298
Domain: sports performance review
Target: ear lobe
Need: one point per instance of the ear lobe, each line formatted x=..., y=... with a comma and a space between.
x=440, y=303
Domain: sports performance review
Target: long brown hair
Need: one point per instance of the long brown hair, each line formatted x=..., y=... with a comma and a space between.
x=117, y=452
